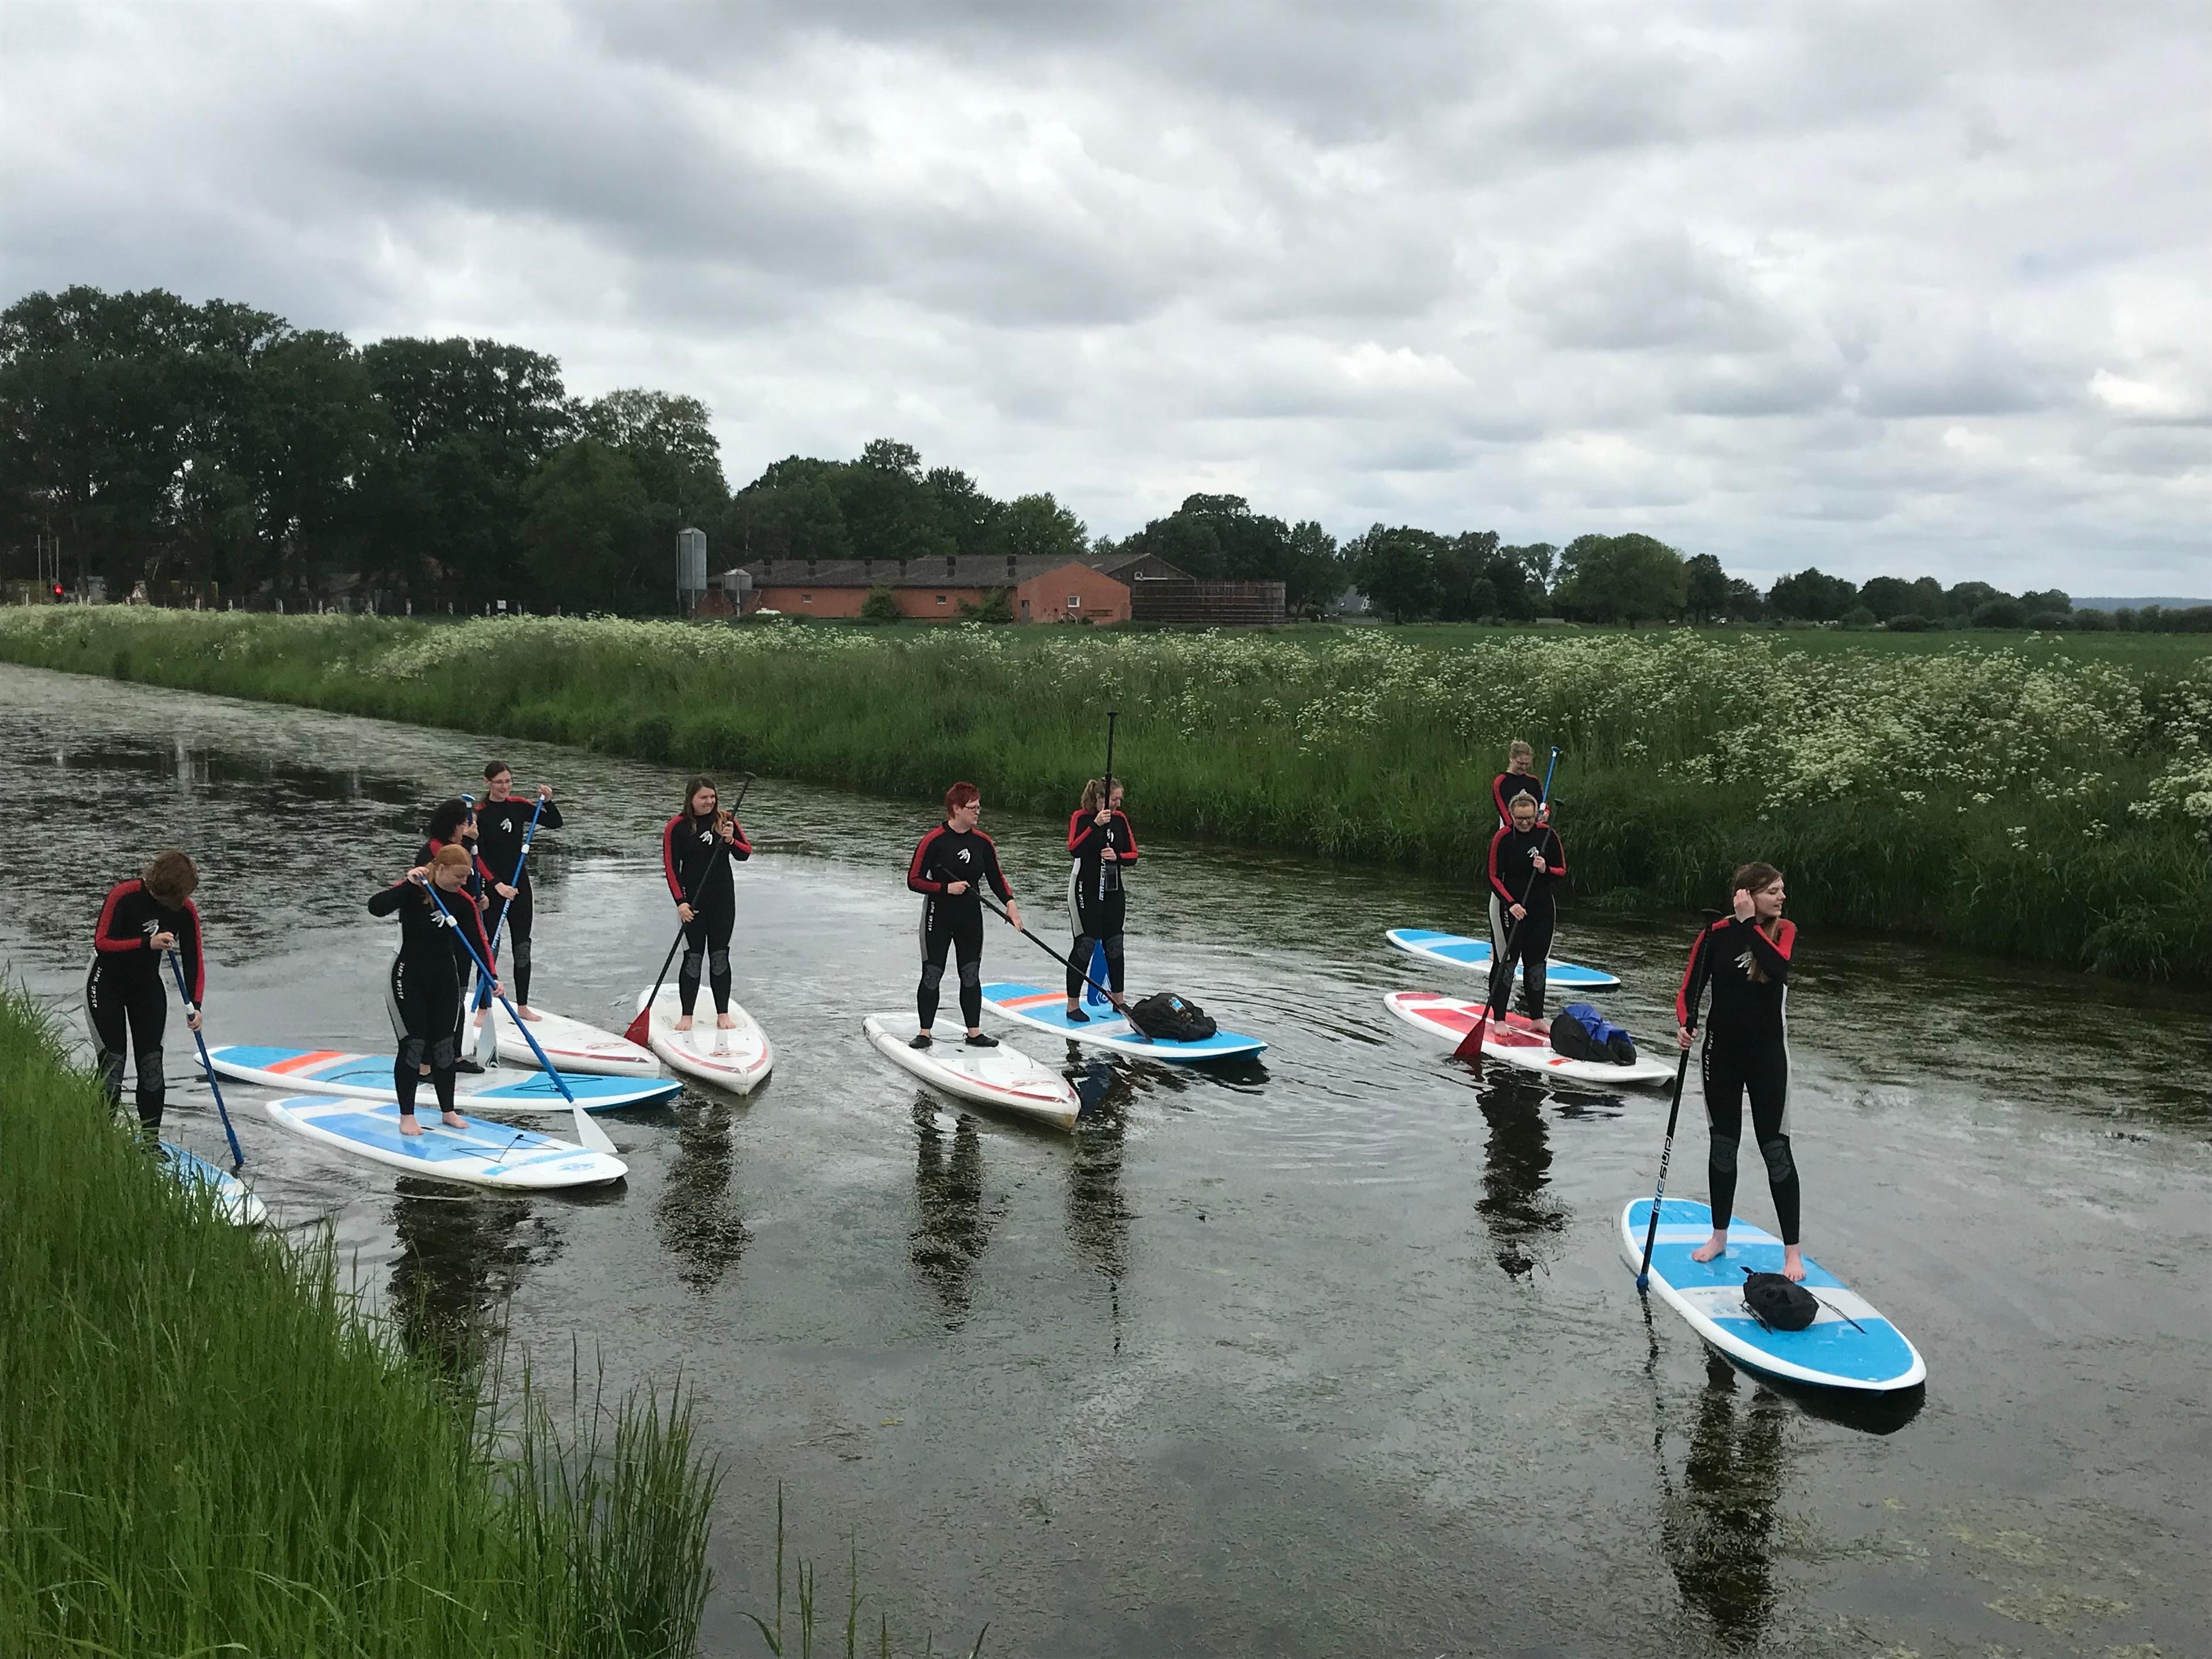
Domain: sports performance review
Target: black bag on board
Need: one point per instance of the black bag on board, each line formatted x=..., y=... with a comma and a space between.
x=1165, y=1014
x=1779, y=1304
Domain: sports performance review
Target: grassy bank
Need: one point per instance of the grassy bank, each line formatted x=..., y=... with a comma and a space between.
x=205, y=1449
x=2018, y=799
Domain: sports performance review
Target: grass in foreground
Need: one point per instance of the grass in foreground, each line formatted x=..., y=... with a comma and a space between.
x=205, y=1448
x=2031, y=802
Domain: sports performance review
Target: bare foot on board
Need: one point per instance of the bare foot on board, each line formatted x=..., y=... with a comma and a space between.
x=454, y=1120
x=683, y=1021
x=408, y=1126
x=1793, y=1264
x=726, y=1021
x=1715, y=1246
x=527, y=1012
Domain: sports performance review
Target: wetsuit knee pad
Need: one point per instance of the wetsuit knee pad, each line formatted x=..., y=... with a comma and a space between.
x=413, y=1053
x=1114, y=947
x=693, y=961
x=444, y=1053
x=718, y=963
x=971, y=975
x=932, y=975
x=1780, y=1165
x=1723, y=1154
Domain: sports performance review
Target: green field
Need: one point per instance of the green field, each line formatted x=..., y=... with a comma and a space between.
x=2045, y=801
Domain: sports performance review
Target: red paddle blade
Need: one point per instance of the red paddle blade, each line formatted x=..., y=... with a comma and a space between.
x=1470, y=1046
x=640, y=1028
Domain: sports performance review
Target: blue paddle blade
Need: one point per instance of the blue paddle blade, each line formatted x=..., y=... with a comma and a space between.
x=1091, y=994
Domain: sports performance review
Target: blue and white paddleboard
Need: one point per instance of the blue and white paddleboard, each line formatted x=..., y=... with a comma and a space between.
x=233, y=1198
x=1461, y=952
x=1848, y=1346
x=1047, y=1011
x=368, y=1077
x=496, y=1155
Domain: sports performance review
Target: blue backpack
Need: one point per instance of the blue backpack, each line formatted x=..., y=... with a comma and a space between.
x=1580, y=1032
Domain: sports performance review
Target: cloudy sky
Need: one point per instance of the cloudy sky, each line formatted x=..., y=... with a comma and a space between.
x=1915, y=287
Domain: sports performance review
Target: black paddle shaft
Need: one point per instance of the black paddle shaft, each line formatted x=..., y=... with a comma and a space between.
x=1106, y=794
x=1066, y=963
x=1667, y=1149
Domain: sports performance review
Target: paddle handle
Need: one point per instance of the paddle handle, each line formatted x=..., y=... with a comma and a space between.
x=207, y=1064
x=1550, y=767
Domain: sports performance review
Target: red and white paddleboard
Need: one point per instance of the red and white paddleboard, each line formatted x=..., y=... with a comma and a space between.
x=1002, y=1076
x=1516, y=1039
x=736, y=1059
x=571, y=1045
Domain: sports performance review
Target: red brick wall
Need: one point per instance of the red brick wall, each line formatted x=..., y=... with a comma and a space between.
x=919, y=603
x=1045, y=599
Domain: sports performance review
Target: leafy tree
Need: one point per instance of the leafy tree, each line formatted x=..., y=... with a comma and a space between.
x=1707, y=594
x=2000, y=612
x=1962, y=600
x=1037, y=526
x=1889, y=596
x=2050, y=598
x=1397, y=570
x=1859, y=617
x=1540, y=561
x=995, y=607
x=1907, y=621
x=1631, y=579
x=588, y=533
x=1313, y=570
x=881, y=605
x=672, y=448
x=1467, y=593
x=1812, y=595
x=1744, y=604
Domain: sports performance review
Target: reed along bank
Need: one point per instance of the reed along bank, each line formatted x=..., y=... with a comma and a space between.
x=2005, y=798
x=205, y=1447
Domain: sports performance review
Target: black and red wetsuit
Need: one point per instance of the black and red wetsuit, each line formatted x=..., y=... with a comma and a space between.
x=1746, y=1051
x=1095, y=901
x=125, y=994
x=500, y=827
x=700, y=866
x=422, y=992
x=1506, y=784
x=952, y=921
x=1523, y=865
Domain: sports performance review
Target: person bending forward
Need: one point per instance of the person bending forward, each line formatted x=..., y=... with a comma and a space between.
x=946, y=868
x=1746, y=959
x=124, y=997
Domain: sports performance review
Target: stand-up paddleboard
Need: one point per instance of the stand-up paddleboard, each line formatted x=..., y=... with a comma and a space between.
x=736, y=1060
x=496, y=1155
x=1516, y=1039
x=368, y=1077
x=1047, y=1012
x=1458, y=951
x=571, y=1045
x=1002, y=1076
x=232, y=1198
x=1848, y=1344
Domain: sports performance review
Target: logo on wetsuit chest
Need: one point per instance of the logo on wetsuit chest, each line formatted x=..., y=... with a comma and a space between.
x=507, y=826
x=706, y=837
x=963, y=855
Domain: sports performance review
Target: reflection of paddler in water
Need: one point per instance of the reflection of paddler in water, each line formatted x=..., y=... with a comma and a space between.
x=459, y=1260
x=1515, y=1169
x=698, y=1225
x=1097, y=1215
x=954, y=1224
x=1718, y=1532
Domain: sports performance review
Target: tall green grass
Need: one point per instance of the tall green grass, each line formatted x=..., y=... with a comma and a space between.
x=205, y=1448
x=2036, y=805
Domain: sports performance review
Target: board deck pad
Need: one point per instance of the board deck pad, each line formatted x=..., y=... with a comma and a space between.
x=1047, y=1010
x=496, y=1155
x=1517, y=1040
x=1003, y=1078
x=232, y=1198
x=368, y=1077
x=738, y=1059
x=1458, y=949
x=573, y=1047
x=1872, y=1356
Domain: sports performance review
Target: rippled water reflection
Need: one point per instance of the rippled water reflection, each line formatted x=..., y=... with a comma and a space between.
x=1331, y=1355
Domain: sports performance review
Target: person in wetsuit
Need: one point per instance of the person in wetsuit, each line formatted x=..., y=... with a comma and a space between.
x=453, y=824
x=423, y=990
x=947, y=866
x=700, y=849
x=1525, y=858
x=1745, y=958
x=1519, y=778
x=126, y=997
x=1102, y=846
x=502, y=820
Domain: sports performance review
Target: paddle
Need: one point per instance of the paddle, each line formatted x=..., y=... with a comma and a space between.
x=1470, y=1046
x=1142, y=1037
x=588, y=1134
x=487, y=1033
x=641, y=1028
x=1550, y=767
x=177, y=972
x=1673, y=1110
x=1091, y=993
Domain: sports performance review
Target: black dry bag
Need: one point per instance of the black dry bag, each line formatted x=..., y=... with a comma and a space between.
x=1776, y=1303
x=1164, y=1014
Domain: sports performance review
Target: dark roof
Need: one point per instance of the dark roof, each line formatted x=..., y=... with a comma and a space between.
x=963, y=570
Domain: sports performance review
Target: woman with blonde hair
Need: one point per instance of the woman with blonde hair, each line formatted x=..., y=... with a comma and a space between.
x=1100, y=845
x=125, y=1000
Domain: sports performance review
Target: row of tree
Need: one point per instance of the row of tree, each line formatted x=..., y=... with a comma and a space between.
x=214, y=449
